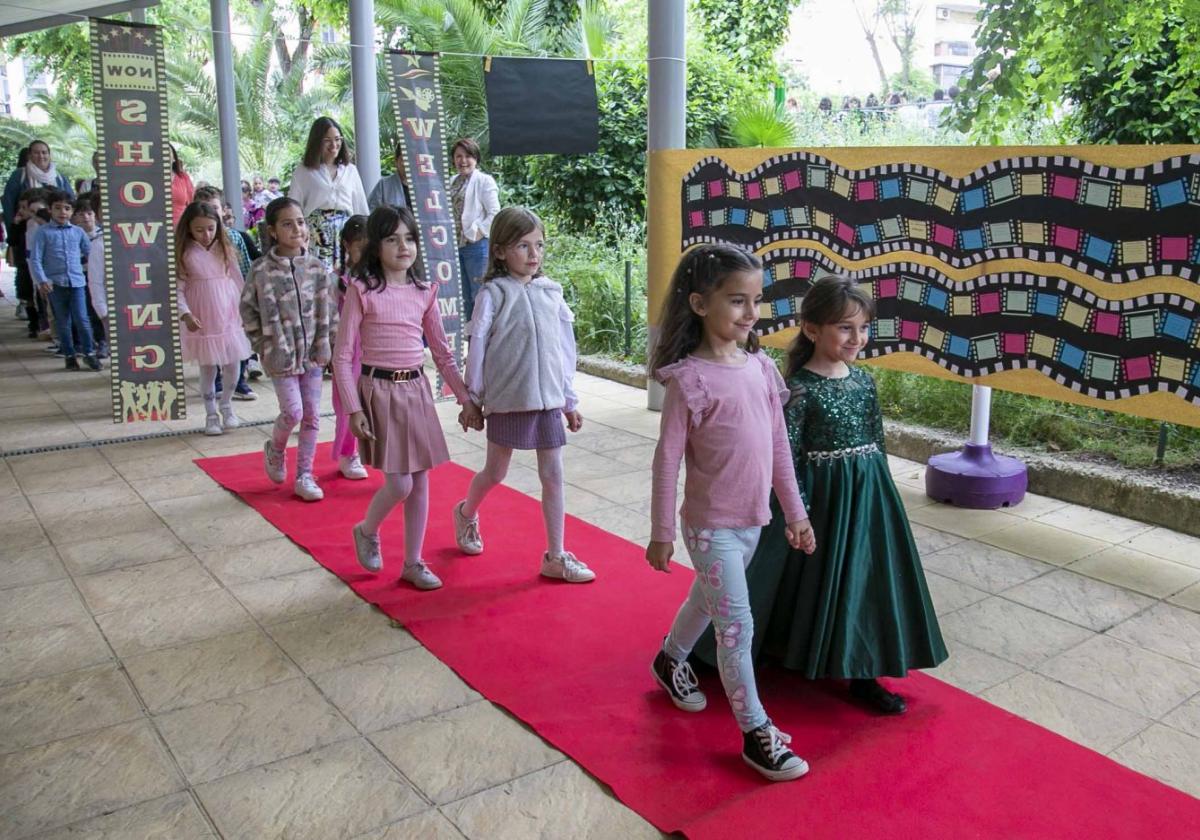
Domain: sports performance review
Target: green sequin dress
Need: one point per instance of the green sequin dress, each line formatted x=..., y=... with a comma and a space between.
x=859, y=607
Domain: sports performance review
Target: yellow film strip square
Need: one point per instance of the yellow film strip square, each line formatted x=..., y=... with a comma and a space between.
x=1076, y=314
x=771, y=186
x=918, y=229
x=944, y=198
x=758, y=219
x=822, y=219
x=1170, y=367
x=1135, y=251
x=934, y=337
x=841, y=186
x=1033, y=233
x=1032, y=183
x=764, y=310
x=1133, y=196
x=733, y=189
x=1042, y=345
x=961, y=305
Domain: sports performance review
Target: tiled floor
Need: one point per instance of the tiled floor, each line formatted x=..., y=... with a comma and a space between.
x=171, y=666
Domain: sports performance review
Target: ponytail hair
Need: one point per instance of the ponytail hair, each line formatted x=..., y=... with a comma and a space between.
x=701, y=271
x=353, y=230
x=828, y=301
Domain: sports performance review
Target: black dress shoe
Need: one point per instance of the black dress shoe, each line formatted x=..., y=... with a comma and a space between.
x=878, y=697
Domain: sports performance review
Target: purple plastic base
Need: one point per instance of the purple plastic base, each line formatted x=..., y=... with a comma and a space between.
x=975, y=478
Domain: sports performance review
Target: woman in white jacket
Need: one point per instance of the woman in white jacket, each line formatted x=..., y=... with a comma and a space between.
x=328, y=188
x=476, y=201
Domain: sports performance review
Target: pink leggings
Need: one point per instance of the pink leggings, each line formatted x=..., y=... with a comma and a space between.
x=299, y=403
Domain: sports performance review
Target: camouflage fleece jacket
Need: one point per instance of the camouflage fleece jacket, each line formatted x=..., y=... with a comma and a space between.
x=289, y=312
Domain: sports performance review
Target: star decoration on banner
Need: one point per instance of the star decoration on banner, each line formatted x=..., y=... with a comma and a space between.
x=142, y=36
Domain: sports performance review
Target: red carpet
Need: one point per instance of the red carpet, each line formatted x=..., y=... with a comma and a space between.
x=573, y=663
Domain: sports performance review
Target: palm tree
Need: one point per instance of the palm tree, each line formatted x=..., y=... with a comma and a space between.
x=70, y=132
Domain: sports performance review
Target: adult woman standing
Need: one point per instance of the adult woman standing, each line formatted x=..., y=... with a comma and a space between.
x=328, y=188
x=476, y=201
x=182, y=188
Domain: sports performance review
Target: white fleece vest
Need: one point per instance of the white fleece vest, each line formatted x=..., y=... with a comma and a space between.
x=523, y=368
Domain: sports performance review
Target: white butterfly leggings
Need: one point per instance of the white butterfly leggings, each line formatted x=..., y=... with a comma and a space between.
x=719, y=595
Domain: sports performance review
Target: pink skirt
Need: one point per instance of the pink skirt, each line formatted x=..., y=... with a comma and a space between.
x=407, y=430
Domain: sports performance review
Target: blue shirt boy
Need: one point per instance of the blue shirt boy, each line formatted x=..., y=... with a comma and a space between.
x=60, y=250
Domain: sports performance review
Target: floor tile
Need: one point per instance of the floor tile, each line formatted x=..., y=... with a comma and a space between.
x=949, y=595
x=629, y=488
x=1044, y=542
x=1067, y=711
x=87, y=525
x=342, y=790
x=30, y=565
x=213, y=520
x=912, y=497
x=1137, y=571
x=279, y=599
x=42, y=651
x=69, y=479
x=961, y=521
x=209, y=670
x=929, y=540
x=531, y=806
x=983, y=566
x=173, y=621
x=1169, y=545
x=121, y=550
x=26, y=466
x=1094, y=523
x=1033, y=506
x=973, y=670
x=1167, y=755
x=394, y=689
x=1079, y=599
x=1135, y=679
x=173, y=817
x=158, y=465
x=463, y=751
x=175, y=486
x=83, y=776
x=60, y=504
x=430, y=825
x=20, y=536
x=337, y=638
x=226, y=736
x=627, y=522
x=41, y=605
x=257, y=561
x=1185, y=717
x=49, y=708
x=1166, y=629
x=1012, y=631
x=1188, y=598
x=144, y=584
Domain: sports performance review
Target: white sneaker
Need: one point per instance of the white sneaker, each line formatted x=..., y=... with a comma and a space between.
x=566, y=567
x=368, y=549
x=274, y=463
x=212, y=425
x=420, y=576
x=466, y=531
x=229, y=420
x=306, y=488
x=254, y=368
x=352, y=468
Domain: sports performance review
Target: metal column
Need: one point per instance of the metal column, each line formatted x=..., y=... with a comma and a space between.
x=231, y=169
x=667, y=115
x=365, y=86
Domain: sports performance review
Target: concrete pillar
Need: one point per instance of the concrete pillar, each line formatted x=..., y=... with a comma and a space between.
x=365, y=88
x=231, y=169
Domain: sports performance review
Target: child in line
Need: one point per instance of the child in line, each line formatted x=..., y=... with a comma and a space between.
x=387, y=311
x=84, y=218
x=18, y=247
x=290, y=316
x=858, y=608
x=525, y=393
x=722, y=413
x=37, y=213
x=56, y=263
x=345, y=445
x=210, y=286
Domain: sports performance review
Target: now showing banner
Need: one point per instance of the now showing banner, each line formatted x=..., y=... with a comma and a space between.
x=417, y=100
x=130, y=92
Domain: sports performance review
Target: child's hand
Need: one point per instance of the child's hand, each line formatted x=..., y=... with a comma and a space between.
x=658, y=555
x=470, y=417
x=800, y=536
x=359, y=427
x=574, y=420
x=191, y=322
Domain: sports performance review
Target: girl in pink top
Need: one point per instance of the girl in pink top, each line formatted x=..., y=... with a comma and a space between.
x=387, y=311
x=723, y=415
x=345, y=445
x=210, y=286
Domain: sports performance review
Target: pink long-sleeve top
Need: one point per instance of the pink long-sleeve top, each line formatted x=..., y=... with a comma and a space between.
x=390, y=323
x=726, y=423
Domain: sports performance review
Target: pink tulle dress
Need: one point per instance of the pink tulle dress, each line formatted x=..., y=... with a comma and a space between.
x=210, y=289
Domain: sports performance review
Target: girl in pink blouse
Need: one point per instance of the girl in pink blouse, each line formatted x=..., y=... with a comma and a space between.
x=387, y=311
x=723, y=414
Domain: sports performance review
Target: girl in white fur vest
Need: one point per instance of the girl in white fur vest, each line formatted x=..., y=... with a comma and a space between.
x=520, y=371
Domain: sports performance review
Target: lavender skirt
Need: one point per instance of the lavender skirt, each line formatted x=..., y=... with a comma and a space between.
x=527, y=429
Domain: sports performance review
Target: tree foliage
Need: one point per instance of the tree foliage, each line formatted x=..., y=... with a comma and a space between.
x=748, y=31
x=1125, y=72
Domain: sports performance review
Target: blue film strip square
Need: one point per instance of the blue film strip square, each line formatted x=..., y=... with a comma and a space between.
x=971, y=239
x=695, y=192
x=937, y=298
x=738, y=216
x=1071, y=356
x=1171, y=193
x=1047, y=304
x=1099, y=250
x=1196, y=376
x=973, y=199
x=868, y=234
x=783, y=306
x=889, y=188
x=779, y=218
x=1177, y=326
x=768, y=275
x=959, y=346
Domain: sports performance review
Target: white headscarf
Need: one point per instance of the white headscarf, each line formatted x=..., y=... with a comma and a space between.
x=35, y=177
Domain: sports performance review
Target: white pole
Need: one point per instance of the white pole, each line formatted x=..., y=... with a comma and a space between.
x=231, y=170
x=981, y=409
x=364, y=85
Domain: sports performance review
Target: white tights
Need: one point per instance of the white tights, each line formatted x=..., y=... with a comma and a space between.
x=550, y=471
x=208, y=385
x=413, y=490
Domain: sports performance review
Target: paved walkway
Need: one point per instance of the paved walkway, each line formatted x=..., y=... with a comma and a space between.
x=171, y=666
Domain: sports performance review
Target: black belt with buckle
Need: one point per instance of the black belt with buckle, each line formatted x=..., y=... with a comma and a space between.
x=393, y=375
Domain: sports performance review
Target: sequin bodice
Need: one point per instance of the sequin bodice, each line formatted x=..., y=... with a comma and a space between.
x=832, y=417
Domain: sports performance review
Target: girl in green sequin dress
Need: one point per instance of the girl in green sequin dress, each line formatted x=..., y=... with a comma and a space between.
x=858, y=608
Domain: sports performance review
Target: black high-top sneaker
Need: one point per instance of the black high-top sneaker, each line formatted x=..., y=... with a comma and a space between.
x=766, y=750
x=679, y=681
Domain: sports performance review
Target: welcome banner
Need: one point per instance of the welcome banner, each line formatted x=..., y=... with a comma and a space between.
x=1066, y=272
x=417, y=103
x=130, y=91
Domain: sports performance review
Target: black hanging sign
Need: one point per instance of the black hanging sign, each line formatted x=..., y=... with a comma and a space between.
x=541, y=106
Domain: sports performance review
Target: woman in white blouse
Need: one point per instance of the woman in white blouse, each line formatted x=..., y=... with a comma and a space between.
x=476, y=201
x=328, y=187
